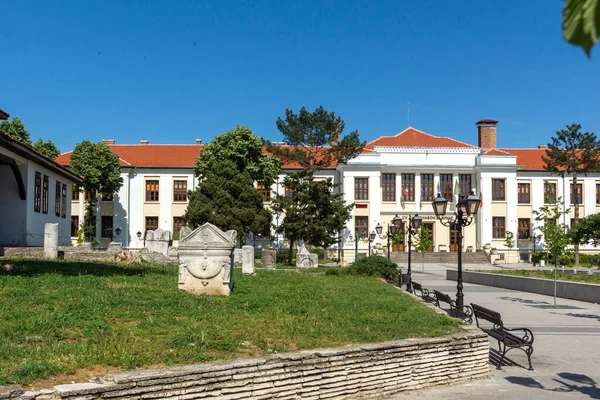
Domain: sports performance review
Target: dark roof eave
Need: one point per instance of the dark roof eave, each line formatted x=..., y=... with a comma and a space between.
x=29, y=153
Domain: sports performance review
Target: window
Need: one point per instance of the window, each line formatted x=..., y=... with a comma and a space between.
x=75, y=193
x=362, y=226
x=108, y=197
x=151, y=223
x=523, y=193
x=524, y=230
x=464, y=182
x=37, y=195
x=389, y=187
x=57, y=199
x=446, y=186
x=576, y=197
x=152, y=190
x=427, y=187
x=361, y=188
x=498, y=227
x=408, y=187
x=74, y=225
x=498, y=193
x=179, y=190
x=549, y=192
x=177, y=224
x=289, y=193
x=107, y=226
x=265, y=192
x=45, y=194
x=597, y=193
x=64, y=201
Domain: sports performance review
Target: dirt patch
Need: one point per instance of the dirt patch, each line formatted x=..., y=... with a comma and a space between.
x=82, y=375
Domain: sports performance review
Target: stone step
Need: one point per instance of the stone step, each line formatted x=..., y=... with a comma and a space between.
x=444, y=257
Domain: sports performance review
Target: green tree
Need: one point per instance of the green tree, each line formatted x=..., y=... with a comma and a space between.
x=422, y=243
x=16, y=129
x=509, y=242
x=581, y=23
x=586, y=231
x=556, y=235
x=227, y=198
x=316, y=213
x=101, y=172
x=48, y=148
x=575, y=153
x=241, y=146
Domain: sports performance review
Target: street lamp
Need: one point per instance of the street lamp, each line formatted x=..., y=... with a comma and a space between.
x=466, y=209
x=414, y=223
x=391, y=231
x=371, y=239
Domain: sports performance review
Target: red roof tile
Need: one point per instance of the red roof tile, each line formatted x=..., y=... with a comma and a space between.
x=412, y=137
x=496, y=152
x=528, y=159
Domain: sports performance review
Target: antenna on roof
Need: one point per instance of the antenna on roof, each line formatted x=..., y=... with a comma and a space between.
x=408, y=112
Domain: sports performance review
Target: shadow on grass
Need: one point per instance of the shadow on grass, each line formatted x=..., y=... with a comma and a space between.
x=32, y=267
x=569, y=383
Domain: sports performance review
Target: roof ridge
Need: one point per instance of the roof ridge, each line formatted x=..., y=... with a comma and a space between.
x=154, y=144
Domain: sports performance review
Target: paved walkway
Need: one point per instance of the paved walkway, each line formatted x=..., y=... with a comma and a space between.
x=566, y=355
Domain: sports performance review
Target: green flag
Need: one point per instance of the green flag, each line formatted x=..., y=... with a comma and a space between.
x=457, y=189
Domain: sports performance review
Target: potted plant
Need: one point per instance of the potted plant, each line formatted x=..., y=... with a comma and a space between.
x=469, y=249
x=442, y=248
x=398, y=242
x=486, y=246
x=493, y=250
x=541, y=257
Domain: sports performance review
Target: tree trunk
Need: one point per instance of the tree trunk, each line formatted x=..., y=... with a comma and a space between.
x=576, y=215
x=89, y=220
x=291, y=253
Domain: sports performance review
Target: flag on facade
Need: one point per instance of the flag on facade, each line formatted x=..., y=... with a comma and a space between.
x=480, y=200
x=404, y=192
x=457, y=189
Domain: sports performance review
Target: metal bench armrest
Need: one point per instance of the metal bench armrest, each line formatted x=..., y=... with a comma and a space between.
x=527, y=334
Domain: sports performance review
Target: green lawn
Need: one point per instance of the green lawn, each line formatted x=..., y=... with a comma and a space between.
x=64, y=317
x=579, y=277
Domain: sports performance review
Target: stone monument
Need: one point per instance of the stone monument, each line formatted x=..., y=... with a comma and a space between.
x=206, y=260
x=248, y=260
x=269, y=258
x=51, y=241
x=305, y=259
x=158, y=241
x=237, y=256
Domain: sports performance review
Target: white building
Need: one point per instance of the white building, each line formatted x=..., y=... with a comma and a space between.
x=511, y=183
x=34, y=190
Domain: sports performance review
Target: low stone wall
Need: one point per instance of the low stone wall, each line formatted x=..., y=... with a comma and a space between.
x=64, y=252
x=564, y=289
x=366, y=370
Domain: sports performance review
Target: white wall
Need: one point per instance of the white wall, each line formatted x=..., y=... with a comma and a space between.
x=13, y=210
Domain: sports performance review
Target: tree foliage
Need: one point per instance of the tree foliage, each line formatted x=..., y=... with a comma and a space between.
x=587, y=231
x=48, y=148
x=227, y=198
x=581, y=23
x=314, y=139
x=556, y=236
x=576, y=153
x=241, y=146
x=16, y=129
x=423, y=240
x=101, y=172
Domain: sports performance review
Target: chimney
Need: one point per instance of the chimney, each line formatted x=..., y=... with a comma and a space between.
x=486, y=133
x=198, y=141
x=541, y=146
x=144, y=141
x=109, y=141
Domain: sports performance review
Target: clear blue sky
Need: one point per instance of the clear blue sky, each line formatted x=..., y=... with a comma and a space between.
x=174, y=71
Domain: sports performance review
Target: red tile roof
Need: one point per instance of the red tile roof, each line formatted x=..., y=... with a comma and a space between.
x=150, y=155
x=495, y=152
x=412, y=137
x=528, y=159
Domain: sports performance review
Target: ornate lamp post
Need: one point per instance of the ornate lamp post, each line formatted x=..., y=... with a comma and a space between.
x=414, y=223
x=391, y=231
x=466, y=209
x=371, y=239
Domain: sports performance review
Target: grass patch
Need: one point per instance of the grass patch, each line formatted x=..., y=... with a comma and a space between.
x=580, y=277
x=61, y=317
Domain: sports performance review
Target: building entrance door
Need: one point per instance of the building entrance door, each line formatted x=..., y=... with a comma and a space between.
x=454, y=237
x=429, y=227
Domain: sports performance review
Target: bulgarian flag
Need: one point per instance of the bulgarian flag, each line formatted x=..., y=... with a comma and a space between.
x=480, y=200
x=404, y=192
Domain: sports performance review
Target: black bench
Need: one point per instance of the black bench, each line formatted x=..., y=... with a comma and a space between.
x=463, y=312
x=507, y=340
x=422, y=292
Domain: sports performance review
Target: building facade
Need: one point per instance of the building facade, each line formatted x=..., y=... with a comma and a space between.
x=394, y=175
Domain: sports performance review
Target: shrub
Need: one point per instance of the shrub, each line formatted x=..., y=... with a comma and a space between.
x=282, y=256
x=375, y=266
x=319, y=252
